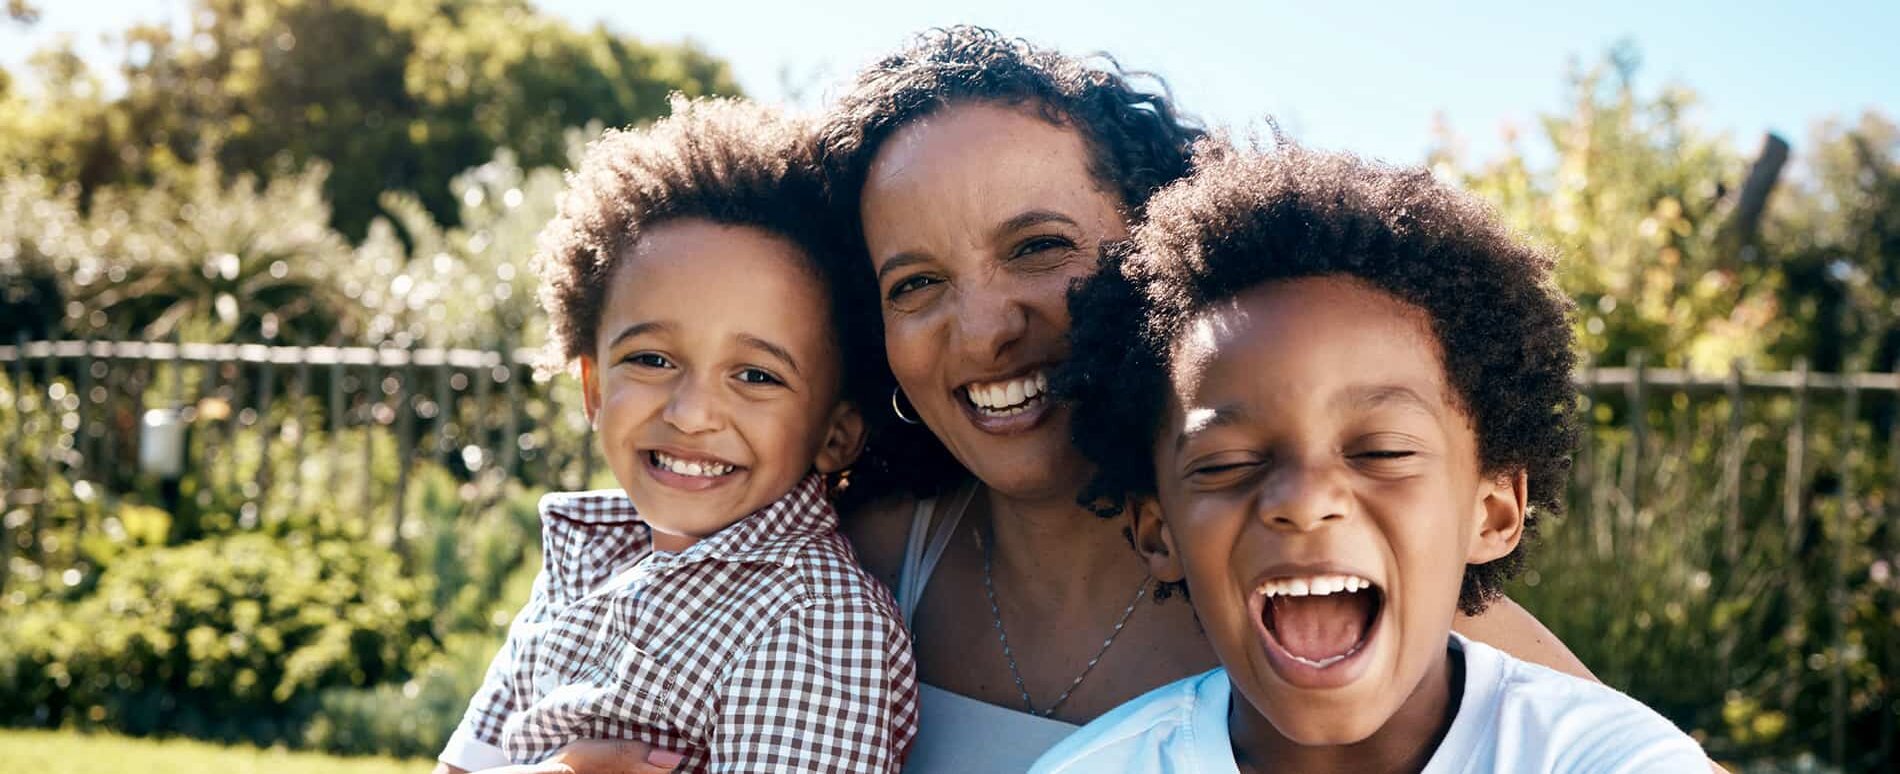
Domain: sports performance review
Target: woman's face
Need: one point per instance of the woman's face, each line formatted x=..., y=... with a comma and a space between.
x=978, y=217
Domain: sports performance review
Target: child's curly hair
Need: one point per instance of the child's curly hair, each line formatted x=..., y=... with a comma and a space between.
x=1136, y=142
x=1250, y=217
x=728, y=161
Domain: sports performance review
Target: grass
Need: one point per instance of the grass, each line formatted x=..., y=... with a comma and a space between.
x=68, y=752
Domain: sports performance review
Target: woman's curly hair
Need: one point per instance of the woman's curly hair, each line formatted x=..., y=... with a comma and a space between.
x=1251, y=217
x=1136, y=143
x=728, y=161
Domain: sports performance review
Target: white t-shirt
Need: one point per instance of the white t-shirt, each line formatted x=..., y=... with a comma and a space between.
x=1515, y=716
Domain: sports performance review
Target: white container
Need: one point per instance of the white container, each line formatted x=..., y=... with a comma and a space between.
x=162, y=444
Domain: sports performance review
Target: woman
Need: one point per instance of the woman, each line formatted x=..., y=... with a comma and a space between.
x=987, y=174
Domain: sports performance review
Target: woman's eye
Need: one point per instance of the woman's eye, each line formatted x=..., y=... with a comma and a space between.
x=649, y=360
x=758, y=376
x=909, y=284
x=1039, y=244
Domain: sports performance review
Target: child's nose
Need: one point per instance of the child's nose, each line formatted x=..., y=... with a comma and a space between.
x=692, y=408
x=1304, y=497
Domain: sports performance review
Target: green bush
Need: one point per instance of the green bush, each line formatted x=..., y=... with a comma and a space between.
x=229, y=638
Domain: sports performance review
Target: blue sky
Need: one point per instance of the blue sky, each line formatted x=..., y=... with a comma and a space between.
x=1360, y=76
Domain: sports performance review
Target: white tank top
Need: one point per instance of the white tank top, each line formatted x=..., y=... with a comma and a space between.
x=956, y=733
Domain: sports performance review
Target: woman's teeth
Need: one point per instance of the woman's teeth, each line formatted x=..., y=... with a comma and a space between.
x=1314, y=585
x=1009, y=397
x=687, y=468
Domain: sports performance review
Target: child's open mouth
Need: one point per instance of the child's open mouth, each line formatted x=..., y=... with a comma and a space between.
x=688, y=472
x=1314, y=625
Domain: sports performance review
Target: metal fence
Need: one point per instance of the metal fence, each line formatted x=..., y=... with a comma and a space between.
x=1758, y=444
x=112, y=415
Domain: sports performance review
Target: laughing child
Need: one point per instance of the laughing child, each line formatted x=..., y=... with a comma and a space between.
x=711, y=608
x=1339, y=413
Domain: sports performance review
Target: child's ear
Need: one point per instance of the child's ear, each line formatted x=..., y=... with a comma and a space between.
x=590, y=389
x=1500, y=511
x=844, y=439
x=1155, y=541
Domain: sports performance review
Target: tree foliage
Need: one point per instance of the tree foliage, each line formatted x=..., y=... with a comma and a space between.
x=395, y=95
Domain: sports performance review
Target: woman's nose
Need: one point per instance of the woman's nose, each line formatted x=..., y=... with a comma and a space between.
x=990, y=319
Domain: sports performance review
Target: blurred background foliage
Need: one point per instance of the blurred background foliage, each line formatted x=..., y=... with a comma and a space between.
x=345, y=172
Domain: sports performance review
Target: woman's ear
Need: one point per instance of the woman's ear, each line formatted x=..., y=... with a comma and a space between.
x=1503, y=502
x=844, y=439
x=590, y=390
x=1154, y=541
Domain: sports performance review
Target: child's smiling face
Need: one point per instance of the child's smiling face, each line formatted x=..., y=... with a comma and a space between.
x=715, y=385
x=1312, y=444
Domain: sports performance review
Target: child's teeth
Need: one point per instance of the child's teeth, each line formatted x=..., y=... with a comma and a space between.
x=1319, y=585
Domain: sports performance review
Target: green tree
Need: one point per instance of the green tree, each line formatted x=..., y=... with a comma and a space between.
x=394, y=95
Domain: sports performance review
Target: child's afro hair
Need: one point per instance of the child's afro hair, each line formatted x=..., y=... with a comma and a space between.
x=1250, y=217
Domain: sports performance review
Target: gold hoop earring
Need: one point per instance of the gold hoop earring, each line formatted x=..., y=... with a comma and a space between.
x=897, y=407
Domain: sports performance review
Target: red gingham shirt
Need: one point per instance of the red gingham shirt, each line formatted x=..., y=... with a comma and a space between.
x=761, y=648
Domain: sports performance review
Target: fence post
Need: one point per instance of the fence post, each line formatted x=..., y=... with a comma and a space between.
x=84, y=442
x=1791, y=490
x=236, y=408
x=373, y=387
x=405, y=448
x=1797, y=460
x=266, y=391
x=15, y=455
x=300, y=389
x=1732, y=468
x=478, y=430
x=442, y=398
x=336, y=420
x=511, y=442
x=1633, y=461
x=1847, y=516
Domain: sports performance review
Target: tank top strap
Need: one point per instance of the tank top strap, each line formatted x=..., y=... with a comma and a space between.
x=926, y=544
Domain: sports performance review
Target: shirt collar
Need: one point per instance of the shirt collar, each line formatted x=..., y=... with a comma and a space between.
x=772, y=534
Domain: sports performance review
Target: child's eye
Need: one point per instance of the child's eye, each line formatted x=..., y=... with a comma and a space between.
x=908, y=284
x=648, y=360
x=1219, y=468
x=758, y=376
x=1038, y=244
x=1384, y=454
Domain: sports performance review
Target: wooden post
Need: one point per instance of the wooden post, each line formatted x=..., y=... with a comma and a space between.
x=1745, y=221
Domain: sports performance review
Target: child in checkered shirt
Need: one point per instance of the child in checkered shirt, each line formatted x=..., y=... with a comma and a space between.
x=711, y=608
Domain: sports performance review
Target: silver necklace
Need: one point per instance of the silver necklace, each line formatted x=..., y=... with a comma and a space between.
x=996, y=615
